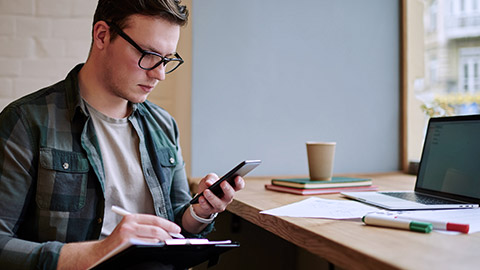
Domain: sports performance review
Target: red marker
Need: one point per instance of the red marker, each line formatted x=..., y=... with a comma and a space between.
x=441, y=225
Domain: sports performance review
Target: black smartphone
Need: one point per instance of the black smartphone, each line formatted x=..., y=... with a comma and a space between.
x=241, y=169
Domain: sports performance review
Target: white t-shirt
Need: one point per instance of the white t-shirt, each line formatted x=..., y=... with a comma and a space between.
x=125, y=184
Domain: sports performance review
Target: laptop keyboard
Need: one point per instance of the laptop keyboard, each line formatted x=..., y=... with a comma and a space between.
x=419, y=198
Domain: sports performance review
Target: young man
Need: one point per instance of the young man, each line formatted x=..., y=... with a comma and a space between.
x=74, y=149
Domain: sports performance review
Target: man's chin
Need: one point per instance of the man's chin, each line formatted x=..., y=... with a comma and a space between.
x=138, y=99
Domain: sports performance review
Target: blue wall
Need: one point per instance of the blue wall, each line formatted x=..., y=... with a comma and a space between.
x=270, y=75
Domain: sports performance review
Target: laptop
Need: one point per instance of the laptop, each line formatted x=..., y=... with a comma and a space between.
x=449, y=170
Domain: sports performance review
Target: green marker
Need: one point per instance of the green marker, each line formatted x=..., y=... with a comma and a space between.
x=384, y=220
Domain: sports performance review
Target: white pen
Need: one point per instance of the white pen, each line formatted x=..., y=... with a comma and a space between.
x=123, y=212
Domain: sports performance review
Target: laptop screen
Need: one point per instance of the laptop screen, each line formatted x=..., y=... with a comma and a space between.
x=451, y=157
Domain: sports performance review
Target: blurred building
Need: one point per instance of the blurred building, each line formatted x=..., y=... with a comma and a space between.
x=452, y=55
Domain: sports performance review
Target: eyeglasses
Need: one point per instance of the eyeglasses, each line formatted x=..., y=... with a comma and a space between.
x=150, y=60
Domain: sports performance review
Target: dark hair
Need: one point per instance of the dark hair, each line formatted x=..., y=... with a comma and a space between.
x=118, y=11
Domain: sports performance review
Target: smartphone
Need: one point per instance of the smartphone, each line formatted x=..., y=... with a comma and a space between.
x=241, y=169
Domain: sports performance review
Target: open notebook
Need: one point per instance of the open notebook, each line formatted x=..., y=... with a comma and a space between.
x=449, y=170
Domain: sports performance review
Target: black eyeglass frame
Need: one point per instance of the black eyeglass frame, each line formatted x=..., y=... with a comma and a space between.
x=164, y=60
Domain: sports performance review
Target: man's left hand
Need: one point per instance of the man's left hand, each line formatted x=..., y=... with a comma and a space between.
x=210, y=203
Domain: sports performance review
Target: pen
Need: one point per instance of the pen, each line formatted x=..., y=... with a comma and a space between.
x=123, y=212
x=389, y=221
x=442, y=225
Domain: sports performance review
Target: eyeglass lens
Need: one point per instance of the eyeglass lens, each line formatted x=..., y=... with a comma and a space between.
x=149, y=61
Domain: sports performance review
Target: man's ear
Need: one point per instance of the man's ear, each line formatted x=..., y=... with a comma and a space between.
x=101, y=35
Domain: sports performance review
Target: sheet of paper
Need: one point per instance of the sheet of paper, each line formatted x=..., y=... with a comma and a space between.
x=322, y=208
x=314, y=207
x=464, y=216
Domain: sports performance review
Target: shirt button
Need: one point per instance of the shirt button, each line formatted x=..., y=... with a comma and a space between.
x=99, y=220
x=65, y=165
x=172, y=160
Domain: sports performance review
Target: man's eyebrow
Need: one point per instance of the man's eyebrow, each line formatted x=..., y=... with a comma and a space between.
x=150, y=49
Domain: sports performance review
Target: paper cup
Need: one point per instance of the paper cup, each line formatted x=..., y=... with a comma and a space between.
x=321, y=156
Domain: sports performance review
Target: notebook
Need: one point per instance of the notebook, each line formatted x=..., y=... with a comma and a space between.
x=449, y=169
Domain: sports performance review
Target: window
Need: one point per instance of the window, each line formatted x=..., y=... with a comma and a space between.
x=469, y=62
x=446, y=80
x=432, y=72
x=431, y=19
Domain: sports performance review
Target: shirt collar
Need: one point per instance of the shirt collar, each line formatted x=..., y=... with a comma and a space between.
x=75, y=103
x=72, y=93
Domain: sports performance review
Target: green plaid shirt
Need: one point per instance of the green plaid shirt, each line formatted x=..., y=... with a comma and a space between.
x=51, y=173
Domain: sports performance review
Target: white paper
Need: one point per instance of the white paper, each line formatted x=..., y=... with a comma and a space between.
x=314, y=207
x=194, y=241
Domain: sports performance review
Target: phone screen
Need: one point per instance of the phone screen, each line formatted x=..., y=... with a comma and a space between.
x=241, y=169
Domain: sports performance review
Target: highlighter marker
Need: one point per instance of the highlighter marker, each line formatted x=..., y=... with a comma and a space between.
x=437, y=225
x=392, y=222
x=441, y=225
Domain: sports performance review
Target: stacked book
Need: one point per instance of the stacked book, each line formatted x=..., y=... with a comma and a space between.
x=305, y=186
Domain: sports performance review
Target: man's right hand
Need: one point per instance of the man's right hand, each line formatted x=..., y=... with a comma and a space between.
x=147, y=228
x=144, y=227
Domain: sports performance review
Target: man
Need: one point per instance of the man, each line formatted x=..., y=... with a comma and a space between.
x=74, y=149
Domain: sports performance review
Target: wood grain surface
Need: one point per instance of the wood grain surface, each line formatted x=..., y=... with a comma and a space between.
x=351, y=244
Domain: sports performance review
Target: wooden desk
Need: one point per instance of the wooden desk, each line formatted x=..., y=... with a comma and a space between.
x=352, y=245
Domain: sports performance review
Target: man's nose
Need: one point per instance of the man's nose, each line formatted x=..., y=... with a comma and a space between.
x=157, y=73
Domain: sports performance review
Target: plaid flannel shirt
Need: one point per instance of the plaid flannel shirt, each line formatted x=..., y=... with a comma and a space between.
x=51, y=173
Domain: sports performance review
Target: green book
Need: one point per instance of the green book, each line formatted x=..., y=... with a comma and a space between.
x=334, y=183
